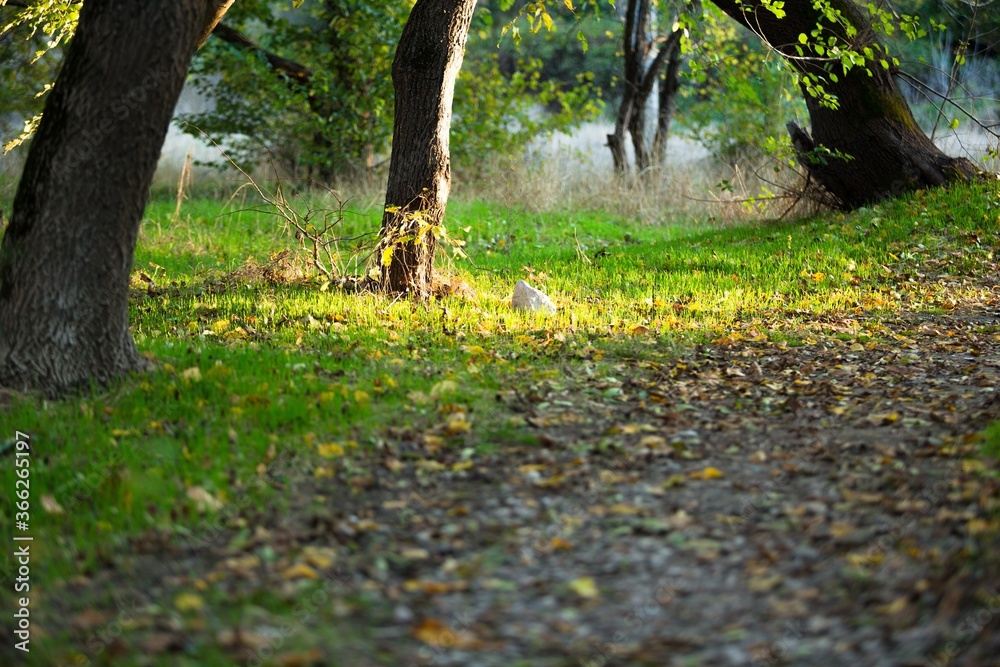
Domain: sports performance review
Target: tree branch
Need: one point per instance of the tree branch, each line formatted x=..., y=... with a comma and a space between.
x=300, y=74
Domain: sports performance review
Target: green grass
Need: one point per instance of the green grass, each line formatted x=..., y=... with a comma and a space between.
x=251, y=372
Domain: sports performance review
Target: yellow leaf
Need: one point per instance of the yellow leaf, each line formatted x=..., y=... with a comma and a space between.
x=300, y=571
x=585, y=587
x=361, y=397
x=444, y=387
x=219, y=326
x=330, y=450
x=321, y=471
x=457, y=425
x=192, y=374
x=387, y=255
x=895, y=607
x=674, y=480
x=321, y=557
x=859, y=559
x=708, y=473
x=188, y=603
x=433, y=442
x=972, y=466
x=978, y=527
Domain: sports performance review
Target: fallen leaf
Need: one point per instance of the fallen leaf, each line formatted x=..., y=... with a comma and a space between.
x=192, y=374
x=300, y=571
x=203, y=500
x=320, y=557
x=559, y=543
x=188, y=603
x=51, y=505
x=585, y=587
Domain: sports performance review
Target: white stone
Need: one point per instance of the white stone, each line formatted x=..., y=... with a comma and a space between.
x=527, y=297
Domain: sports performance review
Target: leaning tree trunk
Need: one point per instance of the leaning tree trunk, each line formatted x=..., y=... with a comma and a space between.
x=424, y=70
x=887, y=153
x=67, y=253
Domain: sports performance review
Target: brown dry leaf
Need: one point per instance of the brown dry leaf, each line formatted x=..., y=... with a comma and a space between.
x=841, y=529
x=434, y=632
x=88, y=619
x=430, y=587
x=161, y=642
x=319, y=557
x=236, y=639
x=558, y=543
x=300, y=658
x=203, y=500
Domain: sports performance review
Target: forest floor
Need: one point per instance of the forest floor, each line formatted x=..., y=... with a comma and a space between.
x=768, y=505
x=825, y=498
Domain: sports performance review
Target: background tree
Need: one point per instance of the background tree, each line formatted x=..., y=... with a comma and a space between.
x=311, y=88
x=647, y=47
x=67, y=252
x=865, y=143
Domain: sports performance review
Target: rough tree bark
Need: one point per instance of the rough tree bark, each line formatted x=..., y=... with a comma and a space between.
x=67, y=253
x=889, y=154
x=424, y=70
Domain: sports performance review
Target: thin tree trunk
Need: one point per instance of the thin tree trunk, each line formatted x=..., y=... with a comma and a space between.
x=873, y=125
x=67, y=254
x=428, y=59
x=669, y=85
x=639, y=78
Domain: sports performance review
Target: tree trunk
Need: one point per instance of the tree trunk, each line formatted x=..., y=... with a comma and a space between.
x=67, y=253
x=424, y=70
x=669, y=85
x=873, y=125
x=638, y=81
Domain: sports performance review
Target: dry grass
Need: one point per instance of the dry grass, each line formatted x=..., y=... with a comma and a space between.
x=690, y=188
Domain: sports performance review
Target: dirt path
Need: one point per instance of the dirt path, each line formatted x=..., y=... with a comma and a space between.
x=746, y=504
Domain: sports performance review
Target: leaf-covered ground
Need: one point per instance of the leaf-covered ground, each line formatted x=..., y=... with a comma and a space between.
x=743, y=503
x=805, y=488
